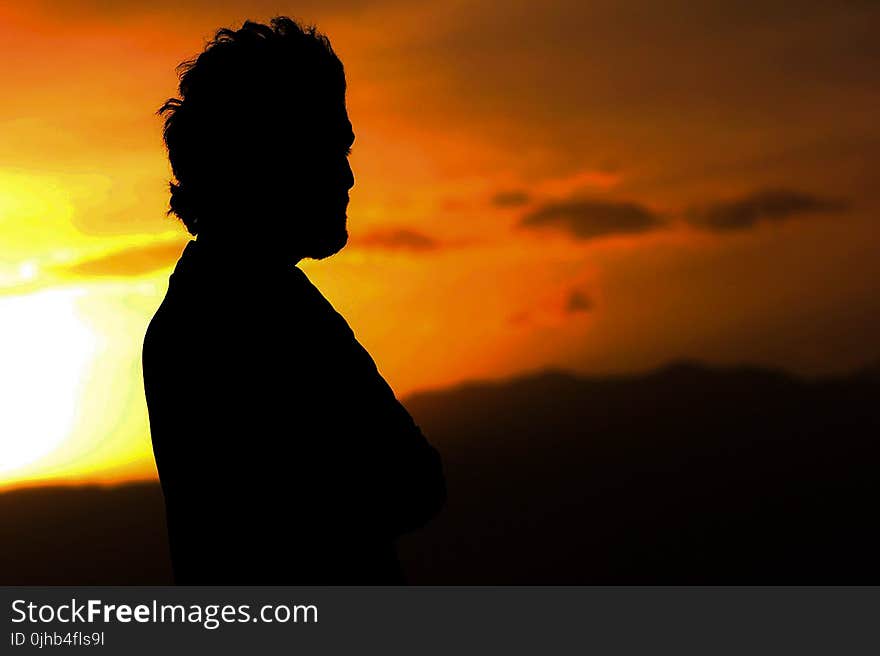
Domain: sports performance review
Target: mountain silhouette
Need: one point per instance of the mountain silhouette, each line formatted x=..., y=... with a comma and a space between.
x=686, y=475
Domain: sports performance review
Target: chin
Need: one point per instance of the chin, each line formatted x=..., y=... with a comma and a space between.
x=329, y=246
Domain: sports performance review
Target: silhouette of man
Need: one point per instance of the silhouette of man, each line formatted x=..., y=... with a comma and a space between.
x=284, y=456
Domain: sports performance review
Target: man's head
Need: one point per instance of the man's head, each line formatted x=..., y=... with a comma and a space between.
x=259, y=138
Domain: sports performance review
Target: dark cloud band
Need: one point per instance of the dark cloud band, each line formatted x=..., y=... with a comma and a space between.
x=591, y=219
x=766, y=205
x=399, y=239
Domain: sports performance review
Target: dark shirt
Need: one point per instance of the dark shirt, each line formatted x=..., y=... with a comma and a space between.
x=283, y=454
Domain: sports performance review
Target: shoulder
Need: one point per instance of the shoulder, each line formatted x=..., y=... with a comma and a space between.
x=316, y=310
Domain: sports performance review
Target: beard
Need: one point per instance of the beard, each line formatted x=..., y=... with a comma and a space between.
x=327, y=243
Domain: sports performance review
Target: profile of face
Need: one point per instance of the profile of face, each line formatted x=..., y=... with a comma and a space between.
x=317, y=225
x=288, y=172
x=299, y=181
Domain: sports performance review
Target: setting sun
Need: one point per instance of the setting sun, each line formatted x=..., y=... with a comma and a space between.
x=45, y=351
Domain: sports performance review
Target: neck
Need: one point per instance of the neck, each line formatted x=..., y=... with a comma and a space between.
x=239, y=251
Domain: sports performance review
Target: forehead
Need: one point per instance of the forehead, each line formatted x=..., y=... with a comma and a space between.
x=314, y=119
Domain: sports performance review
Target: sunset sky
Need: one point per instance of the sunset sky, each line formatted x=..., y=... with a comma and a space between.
x=600, y=186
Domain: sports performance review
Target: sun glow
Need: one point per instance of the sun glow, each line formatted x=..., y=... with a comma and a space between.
x=44, y=351
x=461, y=134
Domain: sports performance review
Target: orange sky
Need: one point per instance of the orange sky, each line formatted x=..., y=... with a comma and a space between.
x=600, y=186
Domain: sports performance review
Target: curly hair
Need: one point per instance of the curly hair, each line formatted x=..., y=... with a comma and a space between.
x=257, y=76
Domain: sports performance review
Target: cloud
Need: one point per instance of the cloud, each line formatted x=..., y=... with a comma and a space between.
x=398, y=239
x=510, y=198
x=590, y=219
x=578, y=301
x=134, y=261
x=766, y=205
